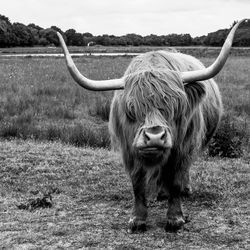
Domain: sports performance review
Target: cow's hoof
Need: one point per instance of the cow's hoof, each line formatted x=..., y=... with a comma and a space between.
x=136, y=225
x=174, y=224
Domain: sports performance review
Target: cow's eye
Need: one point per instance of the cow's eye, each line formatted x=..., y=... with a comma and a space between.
x=130, y=117
x=130, y=113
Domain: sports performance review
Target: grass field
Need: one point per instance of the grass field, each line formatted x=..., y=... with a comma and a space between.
x=45, y=115
x=39, y=100
x=197, y=51
x=92, y=199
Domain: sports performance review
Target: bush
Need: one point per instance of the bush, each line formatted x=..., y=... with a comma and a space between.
x=228, y=141
x=88, y=136
x=77, y=135
x=53, y=133
x=101, y=109
x=10, y=130
x=60, y=112
x=243, y=108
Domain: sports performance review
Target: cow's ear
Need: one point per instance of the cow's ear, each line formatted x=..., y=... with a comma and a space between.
x=195, y=92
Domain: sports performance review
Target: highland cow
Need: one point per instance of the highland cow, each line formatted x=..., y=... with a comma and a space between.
x=165, y=110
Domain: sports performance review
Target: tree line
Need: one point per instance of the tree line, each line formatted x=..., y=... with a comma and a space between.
x=18, y=34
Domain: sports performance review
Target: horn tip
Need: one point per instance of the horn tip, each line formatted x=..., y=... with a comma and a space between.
x=244, y=20
x=58, y=34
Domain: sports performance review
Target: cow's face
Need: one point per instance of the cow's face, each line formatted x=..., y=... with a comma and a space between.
x=153, y=139
x=153, y=103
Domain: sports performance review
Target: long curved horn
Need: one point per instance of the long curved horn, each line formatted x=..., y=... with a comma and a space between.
x=212, y=70
x=82, y=80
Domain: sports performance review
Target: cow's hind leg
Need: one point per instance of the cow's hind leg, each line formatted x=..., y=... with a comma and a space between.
x=186, y=188
x=138, y=218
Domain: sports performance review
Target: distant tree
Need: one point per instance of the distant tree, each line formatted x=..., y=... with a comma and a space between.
x=74, y=38
x=154, y=40
x=23, y=34
x=186, y=40
x=134, y=39
x=199, y=40
x=172, y=39
x=87, y=34
x=87, y=38
x=43, y=41
x=50, y=35
x=35, y=31
x=216, y=38
x=56, y=29
x=179, y=40
x=242, y=37
x=69, y=35
x=5, y=31
x=18, y=34
x=78, y=40
x=246, y=24
x=99, y=40
x=104, y=40
x=34, y=26
x=121, y=41
x=4, y=18
x=115, y=40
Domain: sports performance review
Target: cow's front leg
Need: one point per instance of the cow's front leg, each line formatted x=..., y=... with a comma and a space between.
x=137, y=222
x=175, y=218
x=174, y=184
x=175, y=178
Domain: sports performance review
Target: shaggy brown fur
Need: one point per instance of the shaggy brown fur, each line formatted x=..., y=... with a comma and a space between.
x=154, y=95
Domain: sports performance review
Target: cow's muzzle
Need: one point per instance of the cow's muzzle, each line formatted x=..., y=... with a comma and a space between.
x=153, y=140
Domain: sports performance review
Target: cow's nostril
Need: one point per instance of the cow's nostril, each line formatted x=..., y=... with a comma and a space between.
x=163, y=135
x=147, y=136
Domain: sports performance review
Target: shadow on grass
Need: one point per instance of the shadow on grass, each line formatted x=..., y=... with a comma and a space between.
x=205, y=198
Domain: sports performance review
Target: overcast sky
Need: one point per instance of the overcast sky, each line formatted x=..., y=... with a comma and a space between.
x=120, y=17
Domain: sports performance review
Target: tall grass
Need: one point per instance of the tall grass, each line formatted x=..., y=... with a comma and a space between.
x=229, y=139
x=101, y=108
x=40, y=100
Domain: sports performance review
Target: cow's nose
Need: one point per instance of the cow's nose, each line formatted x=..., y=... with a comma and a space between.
x=155, y=136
